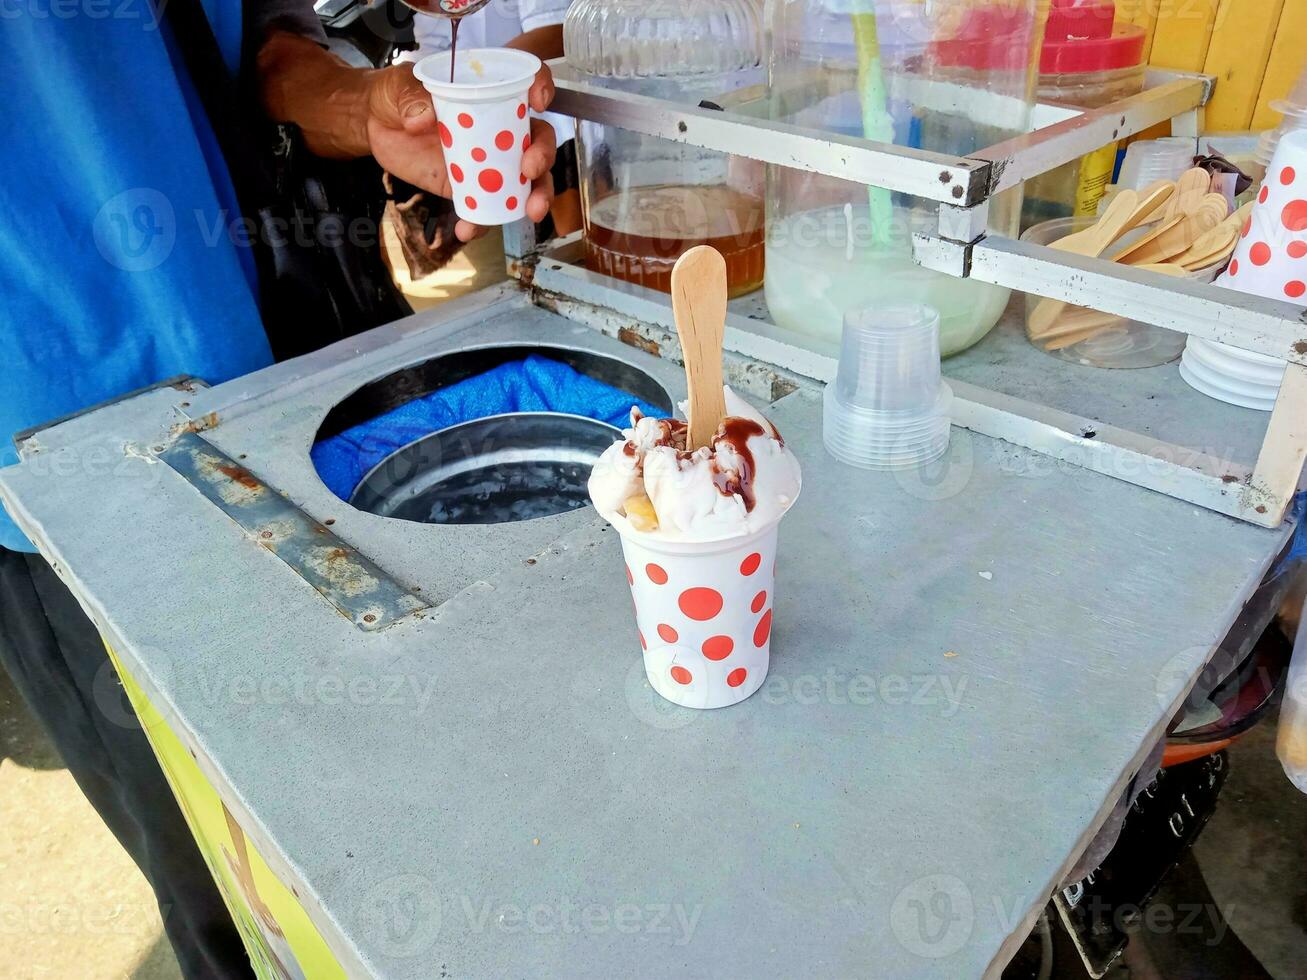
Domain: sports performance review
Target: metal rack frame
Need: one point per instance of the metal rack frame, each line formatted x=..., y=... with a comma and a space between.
x=960, y=246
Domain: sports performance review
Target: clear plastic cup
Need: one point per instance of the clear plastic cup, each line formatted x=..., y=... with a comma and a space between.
x=485, y=127
x=888, y=406
x=1148, y=161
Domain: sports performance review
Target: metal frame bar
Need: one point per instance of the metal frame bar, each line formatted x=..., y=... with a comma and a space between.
x=614, y=308
x=1251, y=323
x=935, y=176
x=961, y=248
x=1023, y=157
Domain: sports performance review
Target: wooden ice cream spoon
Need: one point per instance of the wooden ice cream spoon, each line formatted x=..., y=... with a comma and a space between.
x=1092, y=243
x=699, y=306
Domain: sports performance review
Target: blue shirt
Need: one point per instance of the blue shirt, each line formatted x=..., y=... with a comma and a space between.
x=121, y=261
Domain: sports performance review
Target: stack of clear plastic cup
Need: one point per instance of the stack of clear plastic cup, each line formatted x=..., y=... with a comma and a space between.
x=1293, y=108
x=1148, y=161
x=888, y=407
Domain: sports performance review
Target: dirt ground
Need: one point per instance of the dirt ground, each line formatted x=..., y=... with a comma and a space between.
x=72, y=903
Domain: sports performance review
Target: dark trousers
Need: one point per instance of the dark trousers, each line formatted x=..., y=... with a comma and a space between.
x=58, y=663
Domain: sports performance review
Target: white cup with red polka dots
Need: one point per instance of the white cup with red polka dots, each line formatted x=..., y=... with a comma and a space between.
x=484, y=127
x=704, y=613
x=1270, y=260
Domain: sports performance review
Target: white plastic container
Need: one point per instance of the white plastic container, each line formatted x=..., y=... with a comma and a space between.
x=484, y=127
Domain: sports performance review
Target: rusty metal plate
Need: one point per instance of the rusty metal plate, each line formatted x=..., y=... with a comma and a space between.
x=363, y=592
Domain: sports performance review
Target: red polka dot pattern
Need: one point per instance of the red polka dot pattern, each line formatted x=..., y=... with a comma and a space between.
x=1297, y=250
x=700, y=604
x=718, y=647
x=1259, y=254
x=1234, y=267
x=1261, y=198
x=1294, y=215
x=681, y=675
x=1287, y=176
x=482, y=146
x=630, y=579
x=643, y=645
x=762, y=632
x=656, y=574
x=1295, y=289
x=759, y=601
x=668, y=634
x=1247, y=227
x=736, y=677
x=750, y=564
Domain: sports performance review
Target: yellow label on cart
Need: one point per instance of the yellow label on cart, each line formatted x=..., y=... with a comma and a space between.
x=1095, y=174
x=281, y=940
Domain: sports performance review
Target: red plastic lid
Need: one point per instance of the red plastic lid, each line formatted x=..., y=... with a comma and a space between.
x=1080, y=38
x=996, y=37
x=1081, y=18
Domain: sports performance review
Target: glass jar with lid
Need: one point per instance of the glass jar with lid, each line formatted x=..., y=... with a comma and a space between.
x=949, y=76
x=645, y=200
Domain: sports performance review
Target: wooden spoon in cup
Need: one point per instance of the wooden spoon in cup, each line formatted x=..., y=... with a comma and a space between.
x=699, y=306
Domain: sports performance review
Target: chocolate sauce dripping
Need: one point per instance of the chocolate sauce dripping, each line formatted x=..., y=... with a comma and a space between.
x=453, y=45
x=736, y=433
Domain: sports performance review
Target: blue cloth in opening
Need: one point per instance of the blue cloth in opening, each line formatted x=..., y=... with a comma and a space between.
x=535, y=384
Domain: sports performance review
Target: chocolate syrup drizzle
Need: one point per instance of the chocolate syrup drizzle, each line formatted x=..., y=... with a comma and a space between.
x=734, y=431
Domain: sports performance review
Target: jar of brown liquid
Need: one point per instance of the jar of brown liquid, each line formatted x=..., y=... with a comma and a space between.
x=647, y=200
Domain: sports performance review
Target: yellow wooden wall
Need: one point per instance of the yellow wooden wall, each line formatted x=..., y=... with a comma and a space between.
x=1255, y=48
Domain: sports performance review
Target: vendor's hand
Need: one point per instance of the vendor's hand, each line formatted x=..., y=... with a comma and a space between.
x=402, y=135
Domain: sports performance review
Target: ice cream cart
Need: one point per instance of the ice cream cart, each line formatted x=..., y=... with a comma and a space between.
x=415, y=750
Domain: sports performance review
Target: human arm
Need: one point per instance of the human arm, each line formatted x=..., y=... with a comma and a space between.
x=347, y=112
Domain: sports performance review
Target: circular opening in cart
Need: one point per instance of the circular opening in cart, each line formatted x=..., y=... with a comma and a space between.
x=491, y=470
x=500, y=465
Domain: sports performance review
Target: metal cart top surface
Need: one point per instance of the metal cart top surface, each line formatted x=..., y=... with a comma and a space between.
x=967, y=670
